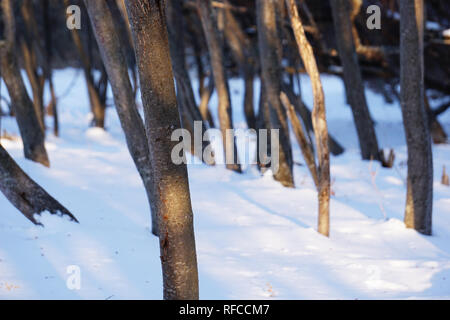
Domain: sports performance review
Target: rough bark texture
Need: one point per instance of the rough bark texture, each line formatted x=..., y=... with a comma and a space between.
x=177, y=242
x=25, y=194
x=27, y=120
x=318, y=118
x=132, y=124
x=419, y=200
x=270, y=56
x=220, y=80
x=353, y=80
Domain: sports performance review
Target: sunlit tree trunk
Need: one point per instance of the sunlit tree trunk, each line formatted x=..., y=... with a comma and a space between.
x=176, y=230
x=318, y=118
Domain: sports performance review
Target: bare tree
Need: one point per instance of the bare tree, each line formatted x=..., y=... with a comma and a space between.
x=243, y=53
x=270, y=56
x=96, y=91
x=25, y=194
x=305, y=145
x=132, y=124
x=33, y=54
x=419, y=202
x=53, y=106
x=213, y=39
x=318, y=118
x=185, y=94
x=353, y=81
x=176, y=230
x=27, y=120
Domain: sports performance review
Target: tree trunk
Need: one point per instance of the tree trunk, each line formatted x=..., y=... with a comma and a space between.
x=95, y=99
x=177, y=242
x=270, y=56
x=25, y=194
x=220, y=80
x=242, y=51
x=303, y=142
x=53, y=107
x=304, y=112
x=32, y=53
x=185, y=92
x=318, y=118
x=30, y=130
x=353, y=81
x=132, y=124
x=419, y=201
x=204, y=102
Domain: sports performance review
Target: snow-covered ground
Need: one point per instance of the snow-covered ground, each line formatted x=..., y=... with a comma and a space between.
x=255, y=239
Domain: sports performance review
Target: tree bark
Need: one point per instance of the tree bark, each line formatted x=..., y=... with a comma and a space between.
x=318, y=118
x=419, y=202
x=185, y=93
x=353, y=80
x=305, y=146
x=242, y=51
x=95, y=99
x=30, y=129
x=304, y=112
x=220, y=80
x=270, y=56
x=130, y=120
x=25, y=194
x=32, y=53
x=177, y=242
x=53, y=107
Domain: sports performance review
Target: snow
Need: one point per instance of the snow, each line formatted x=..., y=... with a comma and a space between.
x=255, y=239
x=446, y=33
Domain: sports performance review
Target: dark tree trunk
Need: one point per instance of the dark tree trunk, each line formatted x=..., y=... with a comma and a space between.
x=27, y=120
x=270, y=56
x=176, y=230
x=220, y=80
x=33, y=52
x=419, y=202
x=242, y=51
x=132, y=124
x=25, y=194
x=185, y=93
x=95, y=96
x=53, y=107
x=353, y=80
